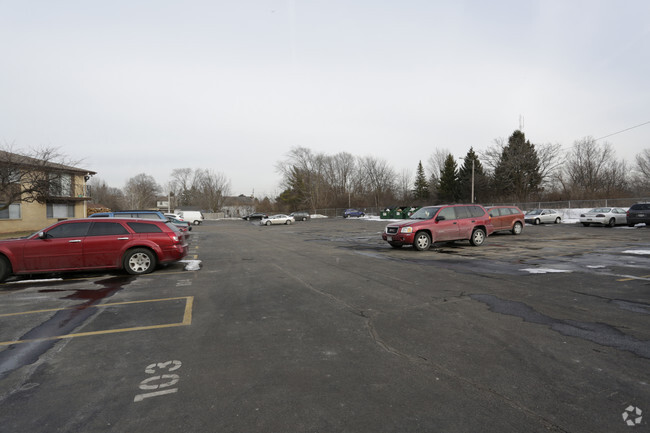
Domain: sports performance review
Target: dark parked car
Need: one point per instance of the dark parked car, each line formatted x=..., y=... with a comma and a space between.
x=638, y=213
x=135, y=245
x=301, y=216
x=440, y=223
x=353, y=213
x=255, y=216
x=507, y=218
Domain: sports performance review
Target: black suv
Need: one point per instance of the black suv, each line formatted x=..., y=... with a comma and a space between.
x=638, y=213
x=301, y=216
x=255, y=216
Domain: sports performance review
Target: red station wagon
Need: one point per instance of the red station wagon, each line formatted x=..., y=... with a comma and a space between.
x=439, y=224
x=135, y=245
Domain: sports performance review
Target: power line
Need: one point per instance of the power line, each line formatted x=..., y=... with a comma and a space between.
x=645, y=123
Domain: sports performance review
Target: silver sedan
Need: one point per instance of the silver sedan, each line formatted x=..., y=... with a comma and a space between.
x=277, y=219
x=607, y=216
x=543, y=216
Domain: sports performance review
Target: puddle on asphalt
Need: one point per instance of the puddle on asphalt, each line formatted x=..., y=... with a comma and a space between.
x=62, y=322
x=598, y=333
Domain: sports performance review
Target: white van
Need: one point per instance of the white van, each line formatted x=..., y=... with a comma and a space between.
x=192, y=216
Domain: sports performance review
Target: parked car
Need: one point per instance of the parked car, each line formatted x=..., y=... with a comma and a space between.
x=638, y=213
x=255, y=216
x=607, y=216
x=135, y=245
x=543, y=216
x=277, y=219
x=432, y=224
x=193, y=216
x=146, y=214
x=507, y=218
x=353, y=213
x=173, y=215
x=301, y=216
x=183, y=225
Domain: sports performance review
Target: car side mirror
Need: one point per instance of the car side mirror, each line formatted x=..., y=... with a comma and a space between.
x=42, y=235
x=441, y=218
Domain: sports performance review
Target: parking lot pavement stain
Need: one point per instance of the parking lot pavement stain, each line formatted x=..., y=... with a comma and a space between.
x=599, y=333
x=39, y=340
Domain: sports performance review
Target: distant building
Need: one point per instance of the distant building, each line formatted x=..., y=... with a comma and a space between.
x=239, y=206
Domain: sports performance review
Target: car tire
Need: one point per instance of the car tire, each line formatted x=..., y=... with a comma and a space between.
x=5, y=268
x=287, y=222
x=304, y=219
x=517, y=228
x=268, y=223
x=394, y=245
x=558, y=220
x=248, y=219
x=536, y=222
x=422, y=241
x=631, y=225
x=197, y=222
x=478, y=237
x=345, y=216
x=139, y=261
x=585, y=224
x=611, y=222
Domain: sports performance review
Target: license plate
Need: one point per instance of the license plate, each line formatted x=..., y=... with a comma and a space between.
x=389, y=238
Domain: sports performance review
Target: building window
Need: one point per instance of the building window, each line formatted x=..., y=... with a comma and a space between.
x=11, y=213
x=60, y=185
x=60, y=210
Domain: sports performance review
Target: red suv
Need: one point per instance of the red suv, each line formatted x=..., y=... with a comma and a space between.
x=507, y=218
x=439, y=224
x=135, y=245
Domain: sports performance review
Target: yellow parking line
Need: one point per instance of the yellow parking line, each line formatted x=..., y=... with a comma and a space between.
x=187, y=320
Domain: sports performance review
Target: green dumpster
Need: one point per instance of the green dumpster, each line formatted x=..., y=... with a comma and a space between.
x=412, y=210
x=386, y=214
x=401, y=212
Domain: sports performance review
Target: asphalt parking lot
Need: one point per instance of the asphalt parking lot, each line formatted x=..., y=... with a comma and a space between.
x=321, y=326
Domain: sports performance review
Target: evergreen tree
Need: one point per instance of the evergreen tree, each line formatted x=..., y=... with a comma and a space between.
x=517, y=173
x=421, y=191
x=448, y=188
x=465, y=178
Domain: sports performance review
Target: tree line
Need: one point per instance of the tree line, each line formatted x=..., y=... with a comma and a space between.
x=512, y=170
x=202, y=188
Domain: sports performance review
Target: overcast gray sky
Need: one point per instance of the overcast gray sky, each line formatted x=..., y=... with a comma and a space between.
x=143, y=86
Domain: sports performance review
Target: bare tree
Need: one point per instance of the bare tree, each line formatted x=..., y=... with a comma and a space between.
x=213, y=188
x=436, y=163
x=643, y=163
x=377, y=178
x=185, y=184
x=304, y=174
x=405, y=186
x=641, y=174
x=141, y=191
x=33, y=176
x=339, y=172
x=101, y=193
x=591, y=170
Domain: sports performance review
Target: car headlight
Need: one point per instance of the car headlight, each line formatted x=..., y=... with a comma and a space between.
x=406, y=230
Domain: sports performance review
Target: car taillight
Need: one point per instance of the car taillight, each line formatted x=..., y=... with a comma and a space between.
x=173, y=237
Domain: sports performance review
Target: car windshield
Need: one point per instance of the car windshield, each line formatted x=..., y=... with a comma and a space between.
x=600, y=209
x=426, y=213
